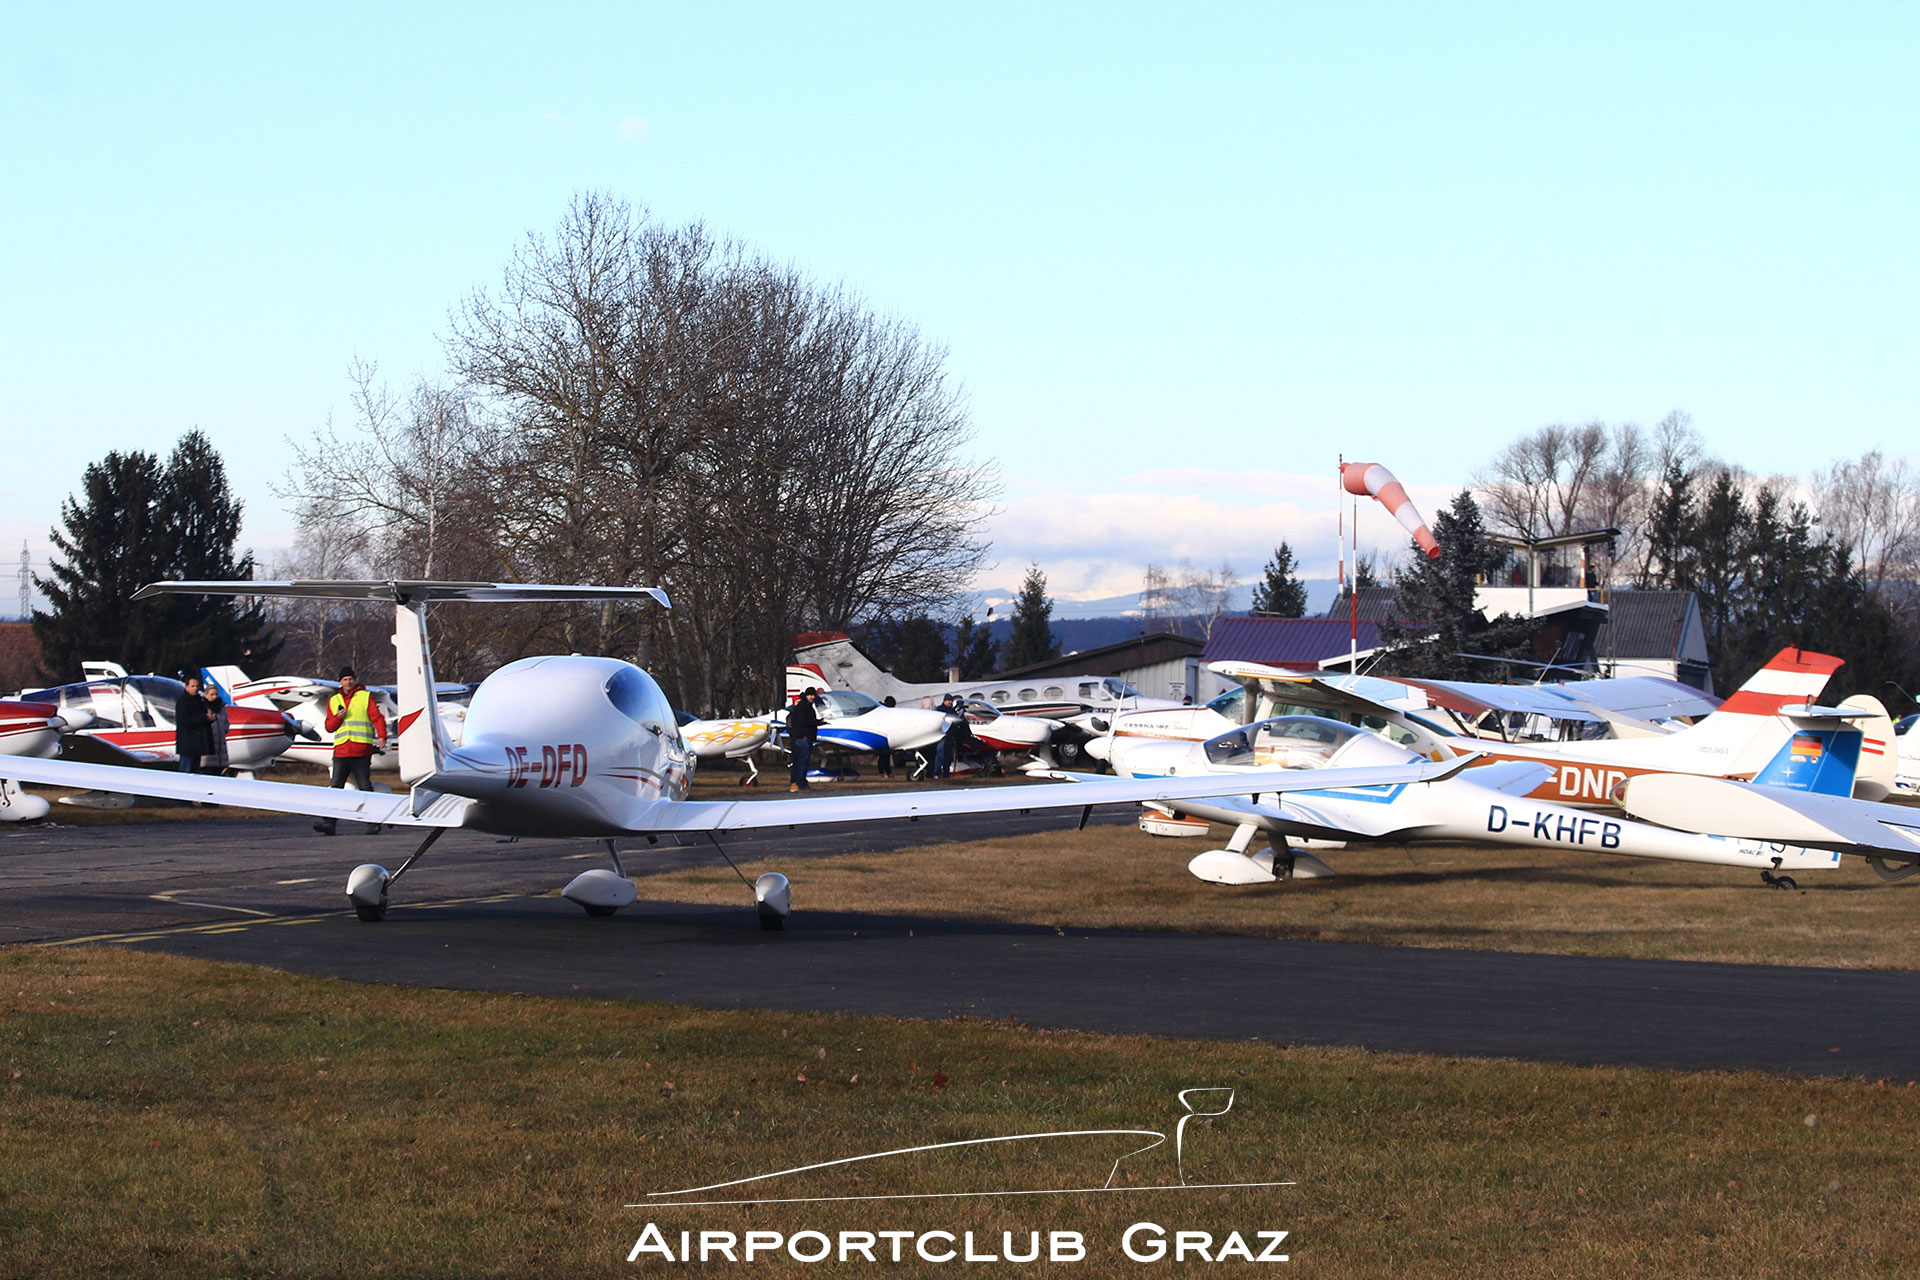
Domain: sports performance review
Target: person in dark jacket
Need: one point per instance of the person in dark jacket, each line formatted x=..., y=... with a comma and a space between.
x=192, y=728
x=959, y=733
x=803, y=726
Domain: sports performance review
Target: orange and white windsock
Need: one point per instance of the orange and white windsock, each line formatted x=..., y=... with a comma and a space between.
x=1362, y=478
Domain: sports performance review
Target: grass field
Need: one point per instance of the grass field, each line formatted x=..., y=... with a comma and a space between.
x=1487, y=897
x=173, y=1117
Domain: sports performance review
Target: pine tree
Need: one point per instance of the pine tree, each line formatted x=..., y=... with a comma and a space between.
x=1670, y=531
x=1032, y=639
x=1441, y=593
x=913, y=648
x=1281, y=594
x=111, y=548
x=974, y=651
x=201, y=518
x=141, y=523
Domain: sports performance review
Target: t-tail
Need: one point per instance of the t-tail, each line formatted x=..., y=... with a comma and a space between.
x=426, y=751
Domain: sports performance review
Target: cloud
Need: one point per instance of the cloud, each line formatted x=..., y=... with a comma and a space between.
x=555, y=120
x=1093, y=545
x=633, y=130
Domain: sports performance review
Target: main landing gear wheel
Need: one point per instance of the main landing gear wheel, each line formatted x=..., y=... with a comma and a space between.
x=1778, y=882
x=773, y=898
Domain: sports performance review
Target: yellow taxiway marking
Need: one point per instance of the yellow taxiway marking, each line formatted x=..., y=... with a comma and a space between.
x=302, y=880
x=241, y=926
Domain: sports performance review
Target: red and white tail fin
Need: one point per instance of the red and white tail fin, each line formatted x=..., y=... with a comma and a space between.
x=1746, y=731
x=1879, y=749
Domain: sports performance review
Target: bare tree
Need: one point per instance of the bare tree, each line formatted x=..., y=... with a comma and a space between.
x=1871, y=506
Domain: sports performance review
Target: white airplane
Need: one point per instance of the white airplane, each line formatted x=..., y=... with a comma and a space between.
x=1737, y=740
x=834, y=661
x=303, y=699
x=1886, y=835
x=582, y=746
x=855, y=724
x=1492, y=803
x=30, y=729
x=125, y=719
x=726, y=740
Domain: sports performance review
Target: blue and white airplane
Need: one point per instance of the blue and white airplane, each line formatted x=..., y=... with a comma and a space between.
x=1494, y=803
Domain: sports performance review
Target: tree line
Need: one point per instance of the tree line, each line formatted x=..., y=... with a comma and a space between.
x=1828, y=563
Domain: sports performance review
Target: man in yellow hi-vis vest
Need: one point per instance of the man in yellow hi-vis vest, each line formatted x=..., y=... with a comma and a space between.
x=358, y=731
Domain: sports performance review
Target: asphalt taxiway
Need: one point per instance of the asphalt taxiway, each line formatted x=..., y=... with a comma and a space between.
x=268, y=891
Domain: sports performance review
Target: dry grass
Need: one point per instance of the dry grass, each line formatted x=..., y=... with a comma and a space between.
x=173, y=1117
x=1451, y=895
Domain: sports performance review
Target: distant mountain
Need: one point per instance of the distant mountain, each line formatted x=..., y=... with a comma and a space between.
x=1320, y=594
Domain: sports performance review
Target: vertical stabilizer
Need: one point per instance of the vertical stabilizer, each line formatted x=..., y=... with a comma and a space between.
x=423, y=740
x=1879, y=748
x=842, y=664
x=1747, y=732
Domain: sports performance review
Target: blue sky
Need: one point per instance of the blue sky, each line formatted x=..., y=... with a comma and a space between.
x=1181, y=257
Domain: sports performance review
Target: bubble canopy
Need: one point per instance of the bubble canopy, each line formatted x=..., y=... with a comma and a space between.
x=1286, y=742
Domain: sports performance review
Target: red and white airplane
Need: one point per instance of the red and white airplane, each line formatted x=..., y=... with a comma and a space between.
x=585, y=746
x=28, y=729
x=130, y=719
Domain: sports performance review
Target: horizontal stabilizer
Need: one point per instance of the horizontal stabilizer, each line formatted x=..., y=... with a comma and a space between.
x=1721, y=807
x=395, y=591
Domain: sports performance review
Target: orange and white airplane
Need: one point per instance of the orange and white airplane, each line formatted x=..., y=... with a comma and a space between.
x=1736, y=741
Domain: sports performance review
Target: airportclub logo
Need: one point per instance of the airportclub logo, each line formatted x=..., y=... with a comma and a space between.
x=1143, y=1241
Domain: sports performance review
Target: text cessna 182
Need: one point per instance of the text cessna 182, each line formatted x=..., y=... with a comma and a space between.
x=587, y=746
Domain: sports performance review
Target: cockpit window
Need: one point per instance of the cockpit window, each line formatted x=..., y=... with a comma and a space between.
x=630, y=693
x=1120, y=689
x=978, y=712
x=1290, y=742
x=683, y=718
x=1232, y=704
x=838, y=704
x=158, y=690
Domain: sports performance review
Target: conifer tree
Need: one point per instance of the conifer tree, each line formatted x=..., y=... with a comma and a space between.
x=974, y=651
x=1032, y=639
x=1281, y=593
x=138, y=522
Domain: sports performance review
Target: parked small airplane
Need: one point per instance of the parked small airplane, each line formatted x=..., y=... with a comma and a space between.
x=303, y=699
x=128, y=720
x=1737, y=740
x=584, y=746
x=1494, y=803
x=833, y=661
x=29, y=729
x=726, y=740
x=1886, y=835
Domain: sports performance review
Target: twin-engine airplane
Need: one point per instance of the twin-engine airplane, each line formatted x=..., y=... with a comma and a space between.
x=585, y=746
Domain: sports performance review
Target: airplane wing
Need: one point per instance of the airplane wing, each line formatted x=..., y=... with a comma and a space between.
x=1721, y=807
x=87, y=749
x=378, y=807
x=746, y=815
x=1362, y=695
